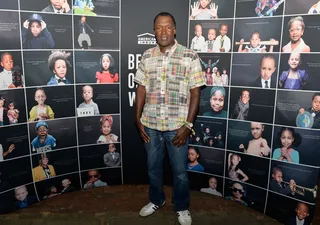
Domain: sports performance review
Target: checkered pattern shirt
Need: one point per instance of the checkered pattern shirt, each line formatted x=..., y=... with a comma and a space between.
x=168, y=78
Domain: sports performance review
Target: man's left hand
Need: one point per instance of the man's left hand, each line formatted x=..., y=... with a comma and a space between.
x=181, y=137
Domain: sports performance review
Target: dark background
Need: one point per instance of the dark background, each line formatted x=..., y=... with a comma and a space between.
x=212, y=160
x=111, y=175
x=205, y=97
x=211, y=24
x=92, y=156
x=63, y=130
x=105, y=95
x=239, y=132
x=288, y=105
x=59, y=98
x=55, y=24
x=309, y=148
x=255, y=197
x=281, y=208
x=13, y=4
x=16, y=95
x=17, y=61
x=299, y=7
x=267, y=27
x=99, y=39
x=7, y=199
x=106, y=7
x=16, y=135
x=303, y=176
x=88, y=63
x=10, y=39
x=42, y=186
x=246, y=69
x=37, y=69
x=199, y=180
x=310, y=63
x=225, y=9
x=256, y=168
x=64, y=161
x=311, y=31
x=130, y=137
x=247, y=8
x=12, y=176
x=37, y=5
x=261, y=103
x=89, y=129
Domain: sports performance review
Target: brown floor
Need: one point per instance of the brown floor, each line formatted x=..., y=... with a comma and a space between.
x=119, y=205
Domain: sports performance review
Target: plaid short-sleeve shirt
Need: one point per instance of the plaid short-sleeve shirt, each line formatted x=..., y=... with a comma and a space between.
x=168, y=78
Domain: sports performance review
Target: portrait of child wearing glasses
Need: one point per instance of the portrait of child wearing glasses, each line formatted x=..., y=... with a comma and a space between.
x=94, y=180
x=238, y=193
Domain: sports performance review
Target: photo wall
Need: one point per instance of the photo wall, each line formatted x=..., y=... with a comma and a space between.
x=258, y=126
x=59, y=98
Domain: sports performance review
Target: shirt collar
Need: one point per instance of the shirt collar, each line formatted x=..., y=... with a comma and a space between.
x=7, y=71
x=57, y=10
x=299, y=221
x=263, y=82
x=169, y=50
x=58, y=78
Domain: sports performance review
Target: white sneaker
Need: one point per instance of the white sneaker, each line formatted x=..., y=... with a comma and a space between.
x=184, y=217
x=147, y=210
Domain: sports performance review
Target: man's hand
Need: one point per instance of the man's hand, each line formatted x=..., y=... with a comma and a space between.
x=142, y=132
x=181, y=137
x=65, y=6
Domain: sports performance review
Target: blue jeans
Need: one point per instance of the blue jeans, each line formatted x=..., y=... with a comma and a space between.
x=178, y=160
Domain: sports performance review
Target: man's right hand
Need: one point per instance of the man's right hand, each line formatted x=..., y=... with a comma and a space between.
x=142, y=132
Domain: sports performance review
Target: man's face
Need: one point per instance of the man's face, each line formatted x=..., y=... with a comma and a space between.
x=112, y=148
x=93, y=175
x=164, y=31
x=57, y=4
x=35, y=28
x=223, y=30
x=7, y=62
x=302, y=211
x=267, y=68
x=21, y=193
x=245, y=97
x=83, y=19
x=256, y=130
x=65, y=183
x=316, y=103
x=217, y=101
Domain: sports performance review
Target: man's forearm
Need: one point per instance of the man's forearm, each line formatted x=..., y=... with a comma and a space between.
x=140, y=101
x=194, y=104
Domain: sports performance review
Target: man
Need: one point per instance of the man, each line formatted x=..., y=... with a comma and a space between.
x=169, y=78
x=66, y=184
x=84, y=29
x=94, y=180
x=58, y=6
